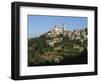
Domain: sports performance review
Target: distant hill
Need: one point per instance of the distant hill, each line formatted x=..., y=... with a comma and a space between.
x=58, y=46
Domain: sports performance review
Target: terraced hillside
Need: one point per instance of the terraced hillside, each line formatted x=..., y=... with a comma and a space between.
x=58, y=47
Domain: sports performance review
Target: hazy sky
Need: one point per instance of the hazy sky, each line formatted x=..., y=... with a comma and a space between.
x=41, y=24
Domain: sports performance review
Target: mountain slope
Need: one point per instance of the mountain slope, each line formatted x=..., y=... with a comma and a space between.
x=58, y=47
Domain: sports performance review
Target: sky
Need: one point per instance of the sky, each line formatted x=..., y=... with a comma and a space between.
x=38, y=24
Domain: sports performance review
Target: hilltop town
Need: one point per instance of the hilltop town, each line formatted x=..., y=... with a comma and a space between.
x=57, y=45
x=77, y=34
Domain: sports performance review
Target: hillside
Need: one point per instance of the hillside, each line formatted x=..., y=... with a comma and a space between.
x=58, y=47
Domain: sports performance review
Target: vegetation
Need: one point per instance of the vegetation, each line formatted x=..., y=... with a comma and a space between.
x=67, y=51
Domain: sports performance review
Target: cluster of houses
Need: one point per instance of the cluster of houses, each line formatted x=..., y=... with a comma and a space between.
x=56, y=30
x=60, y=30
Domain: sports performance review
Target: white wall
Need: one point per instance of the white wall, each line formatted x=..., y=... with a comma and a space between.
x=5, y=40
